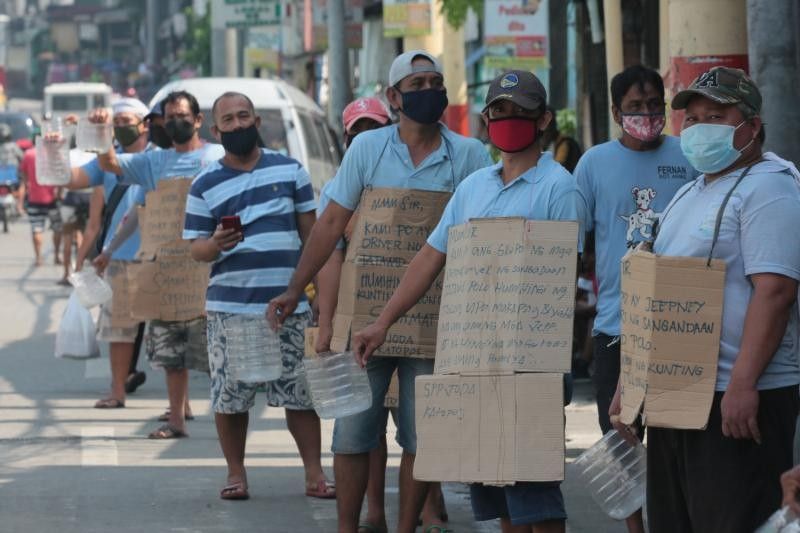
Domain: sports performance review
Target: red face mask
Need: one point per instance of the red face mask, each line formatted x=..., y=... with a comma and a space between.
x=513, y=134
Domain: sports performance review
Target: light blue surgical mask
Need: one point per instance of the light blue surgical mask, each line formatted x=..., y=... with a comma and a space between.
x=709, y=147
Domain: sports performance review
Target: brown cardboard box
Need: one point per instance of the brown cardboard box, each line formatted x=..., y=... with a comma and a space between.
x=491, y=429
x=164, y=214
x=671, y=322
x=509, y=297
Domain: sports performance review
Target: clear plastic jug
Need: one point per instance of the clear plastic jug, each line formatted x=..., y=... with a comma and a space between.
x=253, y=349
x=52, y=155
x=338, y=386
x=615, y=473
x=91, y=289
x=94, y=138
x=782, y=521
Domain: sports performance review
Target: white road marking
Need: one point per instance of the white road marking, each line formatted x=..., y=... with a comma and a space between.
x=98, y=447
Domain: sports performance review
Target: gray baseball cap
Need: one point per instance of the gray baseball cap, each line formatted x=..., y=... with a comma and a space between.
x=402, y=68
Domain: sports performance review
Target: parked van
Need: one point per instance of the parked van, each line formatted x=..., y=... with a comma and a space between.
x=61, y=99
x=291, y=122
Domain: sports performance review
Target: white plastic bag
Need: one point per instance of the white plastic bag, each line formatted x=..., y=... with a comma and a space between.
x=76, y=335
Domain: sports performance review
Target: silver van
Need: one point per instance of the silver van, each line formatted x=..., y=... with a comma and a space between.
x=291, y=122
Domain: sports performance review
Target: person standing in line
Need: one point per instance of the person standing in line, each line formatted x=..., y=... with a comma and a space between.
x=273, y=198
x=416, y=153
x=525, y=183
x=626, y=184
x=725, y=478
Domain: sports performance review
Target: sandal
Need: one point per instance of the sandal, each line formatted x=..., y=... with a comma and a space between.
x=167, y=432
x=234, y=491
x=366, y=527
x=324, y=490
x=165, y=417
x=109, y=403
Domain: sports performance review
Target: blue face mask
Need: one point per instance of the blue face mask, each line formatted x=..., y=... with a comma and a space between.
x=709, y=147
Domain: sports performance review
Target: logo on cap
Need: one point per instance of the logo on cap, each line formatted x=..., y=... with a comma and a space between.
x=362, y=105
x=708, y=79
x=509, y=81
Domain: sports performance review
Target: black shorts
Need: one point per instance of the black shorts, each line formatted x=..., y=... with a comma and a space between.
x=703, y=482
x=606, y=374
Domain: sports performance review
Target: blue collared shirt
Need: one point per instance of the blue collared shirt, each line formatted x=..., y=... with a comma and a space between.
x=379, y=158
x=544, y=192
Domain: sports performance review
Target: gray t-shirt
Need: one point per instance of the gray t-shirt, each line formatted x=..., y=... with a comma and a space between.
x=757, y=236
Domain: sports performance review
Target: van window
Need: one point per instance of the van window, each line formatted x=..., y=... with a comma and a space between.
x=70, y=102
x=272, y=130
x=99, y=100
x=313, y=143
x=324, y=137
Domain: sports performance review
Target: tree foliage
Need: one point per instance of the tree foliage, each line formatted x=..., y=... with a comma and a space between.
x=455, y=11
x=197, y=50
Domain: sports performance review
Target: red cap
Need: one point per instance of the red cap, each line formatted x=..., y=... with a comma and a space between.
x=369, y=107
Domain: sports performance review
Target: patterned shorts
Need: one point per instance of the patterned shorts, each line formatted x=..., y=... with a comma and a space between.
x=289, y=391
x=177, y=345
x=38, y=215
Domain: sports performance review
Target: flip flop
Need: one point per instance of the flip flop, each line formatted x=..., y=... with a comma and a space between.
x=325, y=490
x=366, y=527
x=165, y=417
x=167, y=432
x=234, y=491
x=109, y=403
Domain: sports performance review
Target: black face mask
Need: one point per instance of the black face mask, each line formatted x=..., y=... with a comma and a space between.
x=126, y=135
x=158, y=136
x=425, y=106
x=241, y=141
x=179, y=130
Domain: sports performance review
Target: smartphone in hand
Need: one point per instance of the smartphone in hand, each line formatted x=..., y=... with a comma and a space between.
x=233, y=222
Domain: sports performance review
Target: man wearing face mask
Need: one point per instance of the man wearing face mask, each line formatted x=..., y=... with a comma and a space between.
x=626, y=183
x=525, y=183
x=273, y=198
x=130, y=134
x=744, y=209
x=156, y=133
x=416, y=153
x=169, y=343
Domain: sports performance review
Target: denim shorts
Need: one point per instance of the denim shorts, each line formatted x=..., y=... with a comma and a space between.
x=523, y=503
x=360, y=433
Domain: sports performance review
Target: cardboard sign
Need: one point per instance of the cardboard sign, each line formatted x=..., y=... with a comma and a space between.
x=509, y=297
x=120, y=301
x=172, y=287
x=490, y=429
x=671, y=323
x=391, y=227
x=164, y=215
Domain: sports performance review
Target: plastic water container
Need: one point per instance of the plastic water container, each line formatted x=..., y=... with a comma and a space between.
x=90, y=288
x=95, y=138
x=782, y=521
x=616, y=474
x=52, y=155
x=253, y=349
x=338, y=386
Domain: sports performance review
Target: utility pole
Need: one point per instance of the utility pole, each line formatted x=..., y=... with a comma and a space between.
x=772, y=47
x=338, y=67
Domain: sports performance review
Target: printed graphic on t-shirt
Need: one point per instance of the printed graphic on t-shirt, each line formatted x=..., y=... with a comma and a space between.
x=643, y=218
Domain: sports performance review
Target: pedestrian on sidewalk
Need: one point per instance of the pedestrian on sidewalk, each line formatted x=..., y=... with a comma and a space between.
x=744, y=210
x=272, y=196
x=175, y=346
x=110, y=202
x=416, y=153
x=626, y=184
x=42, y=207
x=525, y=183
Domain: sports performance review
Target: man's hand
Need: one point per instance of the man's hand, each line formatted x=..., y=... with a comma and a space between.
x=100, y=262
x=790, y=483
x=629, y=433
x=71, y=119
x=281, y=307
x=324, y=336
x=100, y=116
x=366, y=341
x=740, y=413
x=226, y=239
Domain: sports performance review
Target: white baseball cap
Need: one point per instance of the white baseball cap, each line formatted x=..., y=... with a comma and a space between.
x=402, y=68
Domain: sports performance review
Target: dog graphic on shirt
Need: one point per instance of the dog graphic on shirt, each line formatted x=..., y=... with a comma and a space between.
x=644, y=218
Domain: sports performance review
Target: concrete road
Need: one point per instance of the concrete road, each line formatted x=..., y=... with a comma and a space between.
x=68, y=468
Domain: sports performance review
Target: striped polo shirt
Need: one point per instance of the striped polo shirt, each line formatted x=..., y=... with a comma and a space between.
x=267, y=199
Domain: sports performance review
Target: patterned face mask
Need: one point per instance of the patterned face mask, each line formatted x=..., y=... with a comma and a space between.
x=643, y=126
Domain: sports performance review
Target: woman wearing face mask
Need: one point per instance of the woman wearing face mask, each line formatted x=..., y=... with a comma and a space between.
x=743, y=210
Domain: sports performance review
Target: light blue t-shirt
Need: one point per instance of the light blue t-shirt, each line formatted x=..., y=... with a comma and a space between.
x=133, y=196
x=762, y=216
x=545, y=192
x=378, y=158
x=147, y=168
x=625, y=191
